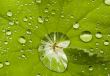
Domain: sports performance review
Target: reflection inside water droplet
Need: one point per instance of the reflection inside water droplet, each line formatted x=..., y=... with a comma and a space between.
x=51, y=51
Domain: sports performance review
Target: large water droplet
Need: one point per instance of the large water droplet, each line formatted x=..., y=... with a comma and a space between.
x=86, y=36
x=98, y=35
x=22, y=40
x=107, y=2
x=9, y=13
x=51, y=51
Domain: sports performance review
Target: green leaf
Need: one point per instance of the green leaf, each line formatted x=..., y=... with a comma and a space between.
x=24, y=23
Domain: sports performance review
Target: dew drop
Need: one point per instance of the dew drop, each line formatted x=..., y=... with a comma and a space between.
x=29, y=32
x=9, y=13
x=98, y=35
x=5, y=42
x=46, y=10
x=22, y=40
x=86, y=36
x=38, y=74
x=53, y=12
x=23, y=56
x=11, y=23
x=91, y=68
x=38, y=1
x=97, y=43
x=107, y=2
x=8, y=33
x=106, y=43
x=1, y=65
x=7, y=63
x=76, y=26
x=101, y=51
x=25, y=19
x=40, y=19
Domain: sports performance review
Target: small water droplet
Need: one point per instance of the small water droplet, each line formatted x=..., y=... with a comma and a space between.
x=97, y=43
x=86, y=36
x=22, y=40
x=5, y=42
x=38, y=1
x=23, y=56
x=1, y=65
x=101, y=51
x=7, y=63
x=76, y=26
x=107, y=2
x=8, y=32
x=29, y=23
x=98, y=35
x=11, y=22
x=46, y=10
x=29, y=32
x=53, y=12
x=9, y=13
x=25, y=19
x=106, y=43
x=91, y=68
x=40, y=19
x=38, y=74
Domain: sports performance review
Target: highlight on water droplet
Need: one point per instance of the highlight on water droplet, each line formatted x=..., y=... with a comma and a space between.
x=51, y=51
x=86, y=36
